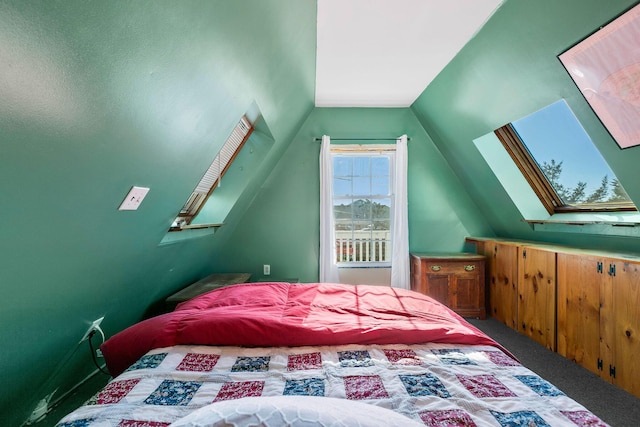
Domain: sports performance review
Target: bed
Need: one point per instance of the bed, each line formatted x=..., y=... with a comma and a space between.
x=318, y=354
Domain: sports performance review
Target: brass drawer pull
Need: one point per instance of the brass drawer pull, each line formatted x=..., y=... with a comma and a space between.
x=436, y=267
x=469, y=267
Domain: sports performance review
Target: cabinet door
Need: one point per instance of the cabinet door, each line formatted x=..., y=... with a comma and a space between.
x=625, y=288
x=537, y=295
x=438, y=287
x=578, y=314
x=503, y=291
x=468, y=291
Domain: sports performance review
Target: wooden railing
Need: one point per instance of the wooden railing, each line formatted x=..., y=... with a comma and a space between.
x=363, y=246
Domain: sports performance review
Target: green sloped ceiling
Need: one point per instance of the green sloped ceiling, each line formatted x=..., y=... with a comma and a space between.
x=97, y=96
x=507, y=71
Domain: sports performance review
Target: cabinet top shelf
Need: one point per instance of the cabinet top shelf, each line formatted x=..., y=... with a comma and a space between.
x=448, y=256
x=557, y=248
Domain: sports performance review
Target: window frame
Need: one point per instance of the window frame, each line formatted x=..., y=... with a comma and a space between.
x=214, y=173
x=370, y=151
x=525, y=162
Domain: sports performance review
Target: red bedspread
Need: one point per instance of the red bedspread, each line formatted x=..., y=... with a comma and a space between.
x=284, y=314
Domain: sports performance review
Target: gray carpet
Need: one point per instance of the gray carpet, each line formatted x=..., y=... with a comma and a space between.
x=612, y=404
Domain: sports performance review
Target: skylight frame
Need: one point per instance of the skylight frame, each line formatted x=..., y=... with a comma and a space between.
x=211, y=178
x=541, y=186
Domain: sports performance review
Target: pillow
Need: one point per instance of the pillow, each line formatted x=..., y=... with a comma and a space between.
x=294, y=411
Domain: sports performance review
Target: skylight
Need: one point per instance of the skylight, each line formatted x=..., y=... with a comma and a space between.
x=566, y=158
x=214, y=173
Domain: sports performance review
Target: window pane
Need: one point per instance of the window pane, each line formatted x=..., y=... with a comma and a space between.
x=362, y=185
x=382, y=225
x=342, y=209
x=342, y=165
x=361, y=166
x=381, y=209
x=566, y=155
x=380, y=166
x=380, y=186
x=362, y=211
x=344, y=225
x=342, y=186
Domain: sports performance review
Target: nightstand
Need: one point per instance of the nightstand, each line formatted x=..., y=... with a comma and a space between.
x=277, y=279
x=454, y=279
x=209, y=283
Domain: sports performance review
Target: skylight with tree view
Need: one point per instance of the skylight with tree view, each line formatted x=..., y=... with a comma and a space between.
x=560, y=152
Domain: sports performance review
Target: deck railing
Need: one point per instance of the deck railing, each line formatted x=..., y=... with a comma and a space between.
x=363, y=246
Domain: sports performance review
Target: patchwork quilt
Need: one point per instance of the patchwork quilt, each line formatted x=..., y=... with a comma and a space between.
x=434, y=384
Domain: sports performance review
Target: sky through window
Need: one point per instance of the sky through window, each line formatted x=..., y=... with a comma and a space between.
x=565, y=153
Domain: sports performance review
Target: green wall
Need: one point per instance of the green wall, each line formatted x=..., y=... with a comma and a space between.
x=281, y=228
x=509, y=70
x=96, y=97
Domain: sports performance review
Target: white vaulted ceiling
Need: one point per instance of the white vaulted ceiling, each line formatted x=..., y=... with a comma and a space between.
x=384, y=53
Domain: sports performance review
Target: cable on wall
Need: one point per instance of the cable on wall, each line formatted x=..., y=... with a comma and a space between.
x=93, y=350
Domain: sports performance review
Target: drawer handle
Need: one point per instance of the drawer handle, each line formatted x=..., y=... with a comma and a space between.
x=469, y=267
x=436, y=267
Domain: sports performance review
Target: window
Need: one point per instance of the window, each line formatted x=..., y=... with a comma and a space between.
x=362, y=205
x=214, y=173
x=561, y=164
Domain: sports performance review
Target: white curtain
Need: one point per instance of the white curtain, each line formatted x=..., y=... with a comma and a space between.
x=400, y=228
x=328, y=267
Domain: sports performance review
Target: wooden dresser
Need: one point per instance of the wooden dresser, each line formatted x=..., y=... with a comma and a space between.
x=582, y=303
x=454, y=279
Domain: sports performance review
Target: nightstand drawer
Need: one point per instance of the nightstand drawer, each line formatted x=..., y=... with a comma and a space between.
x=437, y=267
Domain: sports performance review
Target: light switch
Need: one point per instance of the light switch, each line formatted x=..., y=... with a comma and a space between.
x=133, y=199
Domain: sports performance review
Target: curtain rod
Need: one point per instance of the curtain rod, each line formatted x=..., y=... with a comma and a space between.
x=361, y=139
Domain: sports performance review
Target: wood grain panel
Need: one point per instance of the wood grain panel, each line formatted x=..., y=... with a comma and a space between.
x=503, y=290
x=626, y=301
x=578, y=314
x=537, y=295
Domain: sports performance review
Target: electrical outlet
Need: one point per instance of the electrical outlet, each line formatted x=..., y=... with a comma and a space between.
x=94, y=327
x=41, y=410
x=266, y=269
